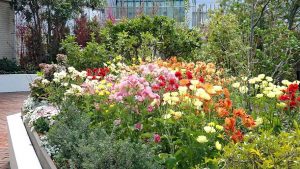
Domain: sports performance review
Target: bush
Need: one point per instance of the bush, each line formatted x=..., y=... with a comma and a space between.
x=264, y=150
x=7, y=65
x=140, y=37
x=82, y=146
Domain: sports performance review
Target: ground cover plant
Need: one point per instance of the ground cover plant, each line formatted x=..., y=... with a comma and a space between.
x=166, y=113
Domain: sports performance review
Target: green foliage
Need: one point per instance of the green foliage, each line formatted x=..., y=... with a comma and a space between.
x=140, y=37
x=41, y=125
x=92, y=56
x=7, y=65
x=264, y=150
x=82, y=146
x=225, y=44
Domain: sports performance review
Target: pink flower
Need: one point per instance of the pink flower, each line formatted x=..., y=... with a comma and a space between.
x=156, y=138
x=150, y=108
x=138, y=126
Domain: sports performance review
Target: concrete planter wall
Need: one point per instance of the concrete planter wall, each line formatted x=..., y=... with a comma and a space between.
x=44, y=158
x=16, y=82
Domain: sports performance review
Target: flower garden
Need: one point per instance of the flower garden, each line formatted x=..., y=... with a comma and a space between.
x=163, y=114
x=151, y=93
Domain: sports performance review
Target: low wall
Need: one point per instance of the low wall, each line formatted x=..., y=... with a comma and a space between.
x=16, y=82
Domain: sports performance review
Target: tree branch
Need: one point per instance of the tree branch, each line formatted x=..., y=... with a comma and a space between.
x=261, y=14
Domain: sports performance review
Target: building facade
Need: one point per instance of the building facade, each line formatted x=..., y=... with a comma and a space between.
x=7, y=30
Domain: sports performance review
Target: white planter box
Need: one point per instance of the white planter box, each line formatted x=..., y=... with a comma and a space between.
x=16, y=82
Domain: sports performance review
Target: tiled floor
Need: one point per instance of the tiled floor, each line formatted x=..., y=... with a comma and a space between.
x=10, y=103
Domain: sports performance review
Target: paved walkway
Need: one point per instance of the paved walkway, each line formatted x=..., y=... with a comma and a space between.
x=10, y=103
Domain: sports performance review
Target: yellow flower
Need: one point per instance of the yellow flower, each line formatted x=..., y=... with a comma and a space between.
x=202, y=139
x=211, y=124
x=285, y=82
x=218, y=145
x=193, y=87
x=194, y=82
x=281, y=105
x=244, y=78
x=219, y=127
x=202, y=93
x=177, y=115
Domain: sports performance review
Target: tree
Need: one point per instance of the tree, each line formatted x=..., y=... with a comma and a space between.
x=54, y=14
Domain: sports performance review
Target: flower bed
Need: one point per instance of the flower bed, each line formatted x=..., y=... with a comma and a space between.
x=160, y=114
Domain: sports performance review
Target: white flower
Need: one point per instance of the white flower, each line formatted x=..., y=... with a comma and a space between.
x=209, y=129
x=244, y=78
x=45, y=81
x=252, y=81
x=202, y=139
x=194, y=82
x=259, y=95
x=218, y=145
x=271, y=95
x=198, y=104
x=167, y=116
x=243, y=89
x=71, y=69
x=258, y=121
x=261, y=76
x=182, y=90
x=236, y=85
x=202, y=93
x=269, y=79
x=285, y=82
x=217, y=88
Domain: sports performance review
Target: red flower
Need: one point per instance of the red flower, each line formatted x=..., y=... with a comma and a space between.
x=298, y=99
x=237, y=136
x=202, y=80
x=178, y=75
x=189, y=75
x=293, y=104
x=292, y=88
x=155, y=87
x=284, y=97
x=161, y=84
x=172, y=81
x=162, y=78
x=156, y=138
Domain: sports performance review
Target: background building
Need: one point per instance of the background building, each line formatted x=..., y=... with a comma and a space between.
x=7, y=30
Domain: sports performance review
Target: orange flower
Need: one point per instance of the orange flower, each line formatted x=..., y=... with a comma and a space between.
x=248, y=121
x=230, y=123
x=239, y=112
x=237, y=136
x=226, y=93
x=184, y=82
x=222, y=112
x=227, y=103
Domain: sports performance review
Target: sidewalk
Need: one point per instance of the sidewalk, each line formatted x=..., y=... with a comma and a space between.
x=10, y=103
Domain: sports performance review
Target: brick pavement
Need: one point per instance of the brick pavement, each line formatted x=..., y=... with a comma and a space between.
x=10, y=103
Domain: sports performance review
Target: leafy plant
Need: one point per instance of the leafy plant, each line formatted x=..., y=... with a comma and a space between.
x=264, y=150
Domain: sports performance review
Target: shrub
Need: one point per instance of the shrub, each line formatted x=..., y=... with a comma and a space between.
x=264, y=150
x=81, y=146
x=7, y=65
x=140, y=37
